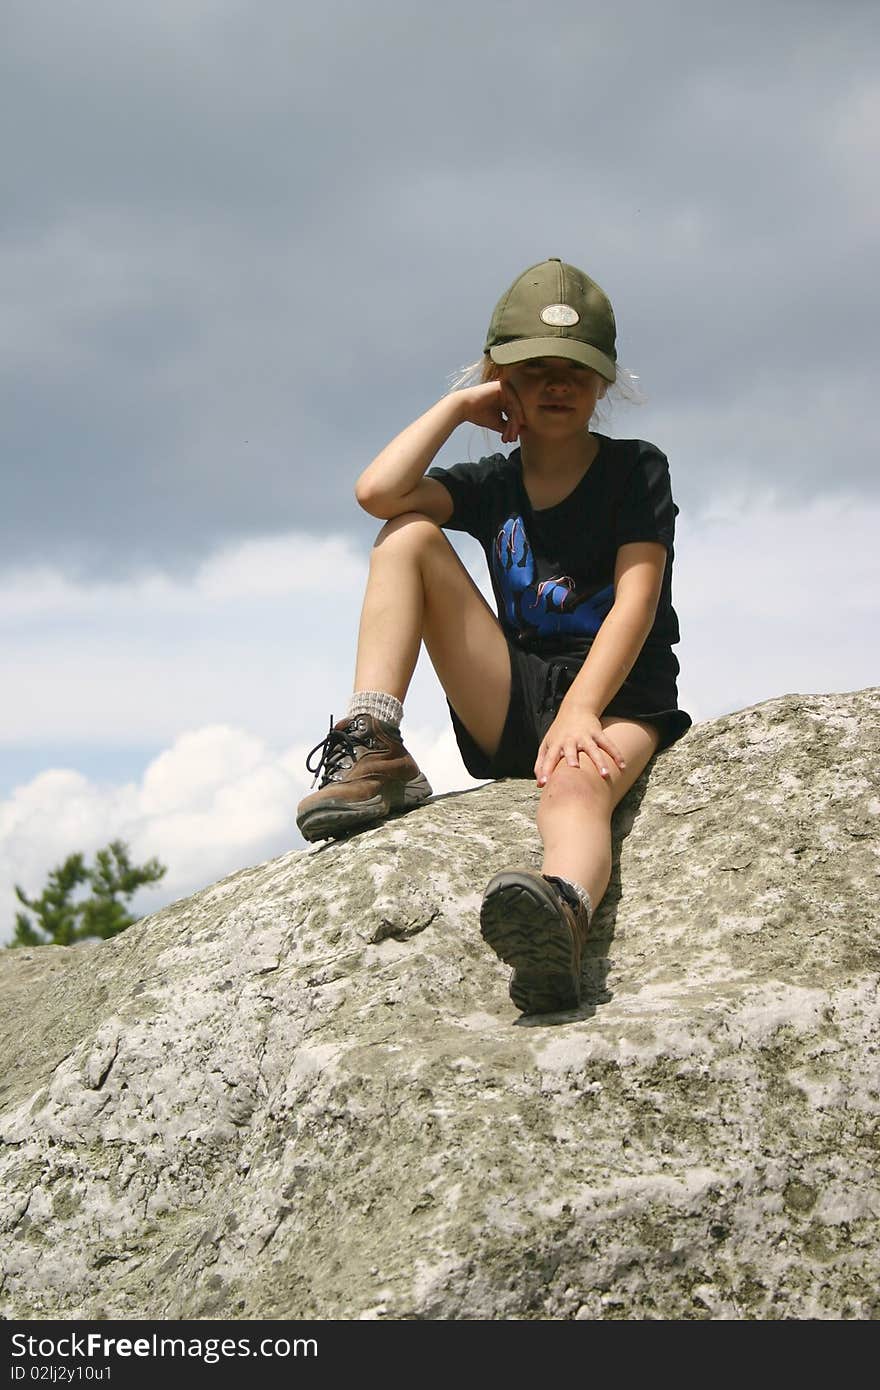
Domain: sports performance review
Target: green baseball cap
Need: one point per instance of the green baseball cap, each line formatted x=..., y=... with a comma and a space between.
x=554, y=310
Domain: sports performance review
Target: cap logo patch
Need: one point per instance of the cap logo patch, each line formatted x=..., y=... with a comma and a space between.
x=559, y=315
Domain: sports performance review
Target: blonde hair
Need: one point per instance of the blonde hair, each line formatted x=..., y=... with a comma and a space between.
x=625, y=390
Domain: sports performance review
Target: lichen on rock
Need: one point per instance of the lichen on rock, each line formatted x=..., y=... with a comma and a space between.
x=304, y=1092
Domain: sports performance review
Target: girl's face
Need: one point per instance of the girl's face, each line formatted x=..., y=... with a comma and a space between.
x=557, y=396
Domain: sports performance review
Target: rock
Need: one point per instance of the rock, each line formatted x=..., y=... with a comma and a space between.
x=304, y=1092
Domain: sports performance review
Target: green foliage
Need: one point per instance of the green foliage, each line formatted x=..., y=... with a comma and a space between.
x=60, y=920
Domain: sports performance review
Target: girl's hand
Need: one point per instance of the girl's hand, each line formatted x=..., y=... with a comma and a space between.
x=574, y=731
x=494, y=405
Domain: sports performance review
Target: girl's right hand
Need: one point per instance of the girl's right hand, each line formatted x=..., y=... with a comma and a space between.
x=494, y=405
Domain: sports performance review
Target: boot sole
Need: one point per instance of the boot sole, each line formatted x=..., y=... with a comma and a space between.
x=336, y=819
x=520, y=919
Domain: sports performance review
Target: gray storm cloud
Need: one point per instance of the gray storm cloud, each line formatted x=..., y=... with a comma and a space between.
x=245, y=246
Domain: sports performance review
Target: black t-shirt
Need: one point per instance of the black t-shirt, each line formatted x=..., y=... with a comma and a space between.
x=552, y=569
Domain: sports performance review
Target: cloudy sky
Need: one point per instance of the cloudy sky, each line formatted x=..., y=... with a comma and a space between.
x=244, y=243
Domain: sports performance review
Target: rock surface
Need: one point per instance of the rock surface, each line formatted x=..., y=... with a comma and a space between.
x=304, y=1092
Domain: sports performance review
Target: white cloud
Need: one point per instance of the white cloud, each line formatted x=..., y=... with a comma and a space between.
x=217, y=800
x=262, y=635
x=236, y=671
x=775, y=599
x=264, y=568
x=260, y=641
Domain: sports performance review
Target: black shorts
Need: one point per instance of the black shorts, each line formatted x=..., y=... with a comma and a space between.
x=537, y=685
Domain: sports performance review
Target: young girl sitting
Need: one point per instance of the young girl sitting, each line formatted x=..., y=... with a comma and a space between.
x=574, y=682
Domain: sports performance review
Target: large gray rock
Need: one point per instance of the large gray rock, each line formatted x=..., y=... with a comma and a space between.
x=304, y=1092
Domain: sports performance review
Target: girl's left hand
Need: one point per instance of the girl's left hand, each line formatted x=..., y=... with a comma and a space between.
x=571, y=733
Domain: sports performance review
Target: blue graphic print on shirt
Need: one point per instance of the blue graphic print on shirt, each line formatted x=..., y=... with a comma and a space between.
x=546, y=607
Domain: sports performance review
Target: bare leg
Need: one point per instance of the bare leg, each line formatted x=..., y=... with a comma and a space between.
x=574, y=815
x=392, y=615
x=418, y=588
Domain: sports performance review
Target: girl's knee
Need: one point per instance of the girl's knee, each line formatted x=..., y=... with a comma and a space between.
x=409, y=527
x=580, y=789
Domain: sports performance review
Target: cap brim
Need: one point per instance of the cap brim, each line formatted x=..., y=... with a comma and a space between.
x=522, y=349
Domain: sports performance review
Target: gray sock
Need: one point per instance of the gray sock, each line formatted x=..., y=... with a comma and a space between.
x=377, y=703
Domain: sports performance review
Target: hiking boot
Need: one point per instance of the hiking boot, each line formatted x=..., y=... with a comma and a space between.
x=367, y=775
x=538, y=925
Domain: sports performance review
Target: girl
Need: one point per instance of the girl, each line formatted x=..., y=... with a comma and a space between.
x=574, y=682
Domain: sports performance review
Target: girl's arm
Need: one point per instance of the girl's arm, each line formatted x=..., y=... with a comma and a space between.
x=638, y=578
x=394, y=482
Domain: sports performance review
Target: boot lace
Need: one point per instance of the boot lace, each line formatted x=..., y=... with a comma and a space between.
x=337, y=750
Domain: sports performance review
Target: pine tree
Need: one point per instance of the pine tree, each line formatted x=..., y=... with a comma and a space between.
x=60, y=920
x=56, y=914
